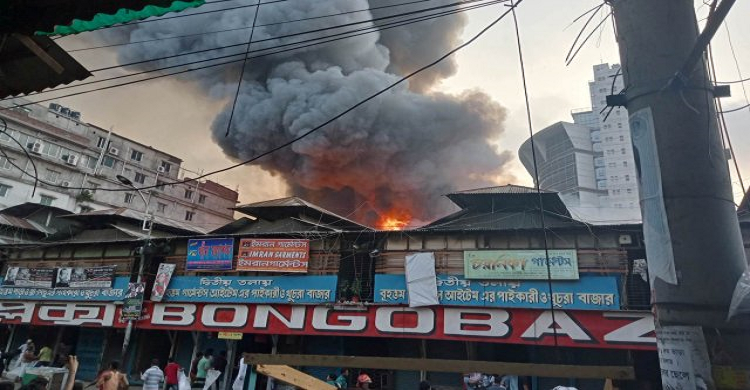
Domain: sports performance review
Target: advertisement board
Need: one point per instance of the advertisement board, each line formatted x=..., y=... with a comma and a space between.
x=303, y=289
x=210, y=254
x=566, y=328
x=29, y=277
x=587, y=293
x=161, y=282
x=85, y=277
x=133, y=303
x=521, y=264
x=273, y=255
x=114, y=293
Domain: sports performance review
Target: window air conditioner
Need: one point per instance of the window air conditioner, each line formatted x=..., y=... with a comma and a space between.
x=114, y=151
x=36, y=147
x=160, y=170
x=65, y=183
x=72, y=160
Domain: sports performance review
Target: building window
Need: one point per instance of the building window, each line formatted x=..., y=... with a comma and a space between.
x=136, y=155
x=165, y=166
x=629, y=190
x=90, y=162
x=50, y=149
x=160, y=185
x=622, y=138
x=202, y=199
x=4, y=190
x=627, y=177
x=188, y=193
x=108, y=162
x=5, y=164
x=189, y=215
x=624, y=163
x=46, y=200
x=161, y=207
x=139, y=178
x=52, y=176
x=101, y=142
x=129, y=198
x=622, y=151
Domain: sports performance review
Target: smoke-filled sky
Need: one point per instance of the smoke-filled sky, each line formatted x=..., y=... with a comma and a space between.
x=456, y=127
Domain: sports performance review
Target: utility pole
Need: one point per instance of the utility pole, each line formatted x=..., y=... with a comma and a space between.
x=693, y=242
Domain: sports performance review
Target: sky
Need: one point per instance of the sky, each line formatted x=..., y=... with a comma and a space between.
x=177, y=118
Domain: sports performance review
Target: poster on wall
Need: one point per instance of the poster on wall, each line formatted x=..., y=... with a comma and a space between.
x=85, y=277
x=273, y=255
x=133, y=303
x=210, y=254
x=521, y=264
x=29, y=277
x=163, y=276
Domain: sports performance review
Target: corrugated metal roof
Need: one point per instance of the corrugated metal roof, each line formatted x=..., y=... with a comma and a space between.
x=24, y=224
x=24, y=71
x=138, y=216
x=264, y=209
x=498, y=221
x=506, y=189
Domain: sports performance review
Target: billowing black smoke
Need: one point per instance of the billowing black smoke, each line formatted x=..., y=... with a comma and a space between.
x=399, y=152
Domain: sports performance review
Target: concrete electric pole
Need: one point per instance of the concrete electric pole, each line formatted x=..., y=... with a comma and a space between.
x=693, y=242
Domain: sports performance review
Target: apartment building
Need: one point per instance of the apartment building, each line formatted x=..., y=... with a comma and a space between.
x=69, y=154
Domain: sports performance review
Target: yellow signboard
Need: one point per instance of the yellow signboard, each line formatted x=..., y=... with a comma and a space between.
x=230, y=335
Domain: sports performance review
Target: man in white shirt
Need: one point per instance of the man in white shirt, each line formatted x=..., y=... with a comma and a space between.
x=153, y=377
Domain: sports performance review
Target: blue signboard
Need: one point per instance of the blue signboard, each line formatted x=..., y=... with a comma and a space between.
x=252, y=289
x=210, y=254
x=115, y=293
x=587, y=293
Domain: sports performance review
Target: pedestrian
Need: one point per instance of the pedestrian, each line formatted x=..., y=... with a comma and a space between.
x=239, y=382
x=171, y=371
x=45, y=357
x=112, y=378
x=331, y=380
x=202, y=370
x=194, y=366
x=424, y=385
x=343, y=379
x=219, y=363
x=153, y=377
x=363, y=380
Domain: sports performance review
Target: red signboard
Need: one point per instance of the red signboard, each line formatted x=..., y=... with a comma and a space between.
x=587, y=329
x=273, y=255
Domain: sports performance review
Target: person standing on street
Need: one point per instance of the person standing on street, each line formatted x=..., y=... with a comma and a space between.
x=153, y=377
x=194, y=366
x=219, y=363
x=343, y=379
x=171, y=372
x=203, y=366
x=112, y=378
x=45, y=357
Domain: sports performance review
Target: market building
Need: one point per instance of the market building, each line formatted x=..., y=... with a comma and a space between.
x=292, y=279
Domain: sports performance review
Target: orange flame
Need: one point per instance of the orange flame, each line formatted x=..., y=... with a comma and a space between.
x=394, y=220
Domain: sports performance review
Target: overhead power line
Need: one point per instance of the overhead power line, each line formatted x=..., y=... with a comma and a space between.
x=248, y=27
x=296, y=46
x=311, y=131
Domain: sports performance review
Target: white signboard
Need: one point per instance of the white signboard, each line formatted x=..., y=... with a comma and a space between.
x=683, y=358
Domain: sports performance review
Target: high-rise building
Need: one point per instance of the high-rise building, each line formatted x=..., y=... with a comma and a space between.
x=591, y=161
x=69, y=153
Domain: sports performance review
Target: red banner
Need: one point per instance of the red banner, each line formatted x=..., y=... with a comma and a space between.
x=586, y=329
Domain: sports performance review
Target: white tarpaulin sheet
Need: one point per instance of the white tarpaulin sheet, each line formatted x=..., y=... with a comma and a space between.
x=655, y=224
x=421, y=281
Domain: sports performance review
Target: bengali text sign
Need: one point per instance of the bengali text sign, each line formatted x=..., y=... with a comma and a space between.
x=303, y=289
x=210, y=254
x=587, y=293
x=273, y=255
x=521, y=264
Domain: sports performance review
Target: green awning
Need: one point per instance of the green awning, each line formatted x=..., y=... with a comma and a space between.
x=123, y=15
